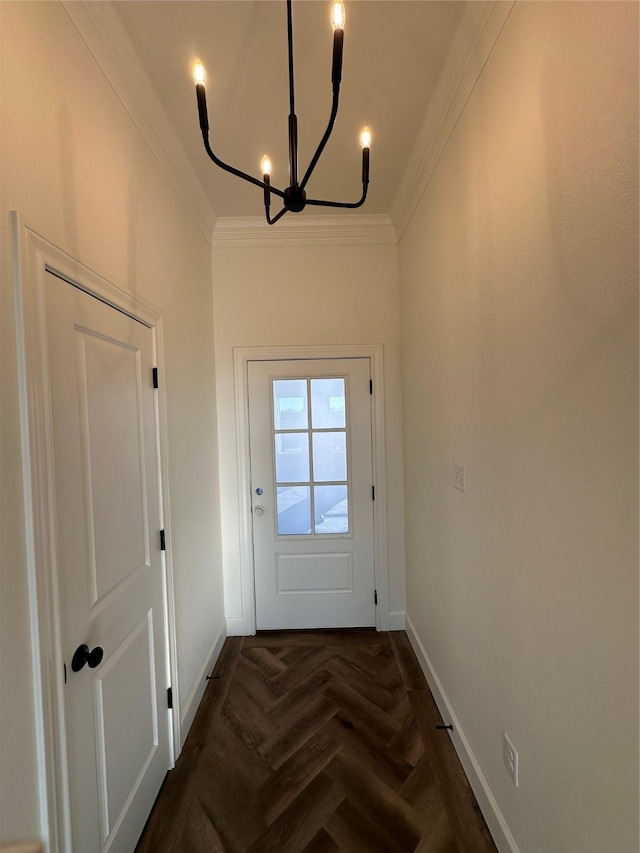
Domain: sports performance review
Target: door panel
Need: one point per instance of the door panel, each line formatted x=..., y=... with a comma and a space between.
x=128, y=730
x=300, y=573
x=311, y=470
x=110, y=570
x=112, y=446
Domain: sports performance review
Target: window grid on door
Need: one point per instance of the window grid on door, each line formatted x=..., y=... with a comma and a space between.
x=310, y=446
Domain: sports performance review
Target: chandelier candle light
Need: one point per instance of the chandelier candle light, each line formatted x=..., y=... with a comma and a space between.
x=294, y=196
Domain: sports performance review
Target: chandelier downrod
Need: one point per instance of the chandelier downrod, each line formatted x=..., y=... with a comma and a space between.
x=294, y=196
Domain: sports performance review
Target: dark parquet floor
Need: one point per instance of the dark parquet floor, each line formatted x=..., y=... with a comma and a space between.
x=317, y=742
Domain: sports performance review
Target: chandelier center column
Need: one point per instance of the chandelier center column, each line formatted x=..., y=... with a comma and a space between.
x=293, y=121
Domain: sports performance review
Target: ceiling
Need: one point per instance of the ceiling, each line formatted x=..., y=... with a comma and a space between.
x=394, y=54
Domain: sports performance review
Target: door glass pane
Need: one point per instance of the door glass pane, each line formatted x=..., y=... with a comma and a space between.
x=292, y=457
x=327, y=403
x=290, y=404
x=294, y=510
x=331, y=509
x=329, y=456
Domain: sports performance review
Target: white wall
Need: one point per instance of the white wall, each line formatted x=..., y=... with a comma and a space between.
x=519, y=305
x=78, y=171
x=304, y=296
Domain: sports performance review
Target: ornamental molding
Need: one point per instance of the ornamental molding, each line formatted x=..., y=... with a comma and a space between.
x=302, y=230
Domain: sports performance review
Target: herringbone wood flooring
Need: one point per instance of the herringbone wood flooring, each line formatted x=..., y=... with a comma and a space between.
x=317, y=742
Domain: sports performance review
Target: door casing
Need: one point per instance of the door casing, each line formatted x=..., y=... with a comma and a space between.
x=241, y=358
x=33, y=256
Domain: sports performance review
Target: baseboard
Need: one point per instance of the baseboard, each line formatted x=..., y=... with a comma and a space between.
x=502, y=836
x=396, y=620
x=235, y=626
x=190, y=706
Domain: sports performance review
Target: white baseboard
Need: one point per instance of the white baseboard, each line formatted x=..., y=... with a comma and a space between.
x=190, y=706
x=235, y=626
x=396, y=620
x=502, y=836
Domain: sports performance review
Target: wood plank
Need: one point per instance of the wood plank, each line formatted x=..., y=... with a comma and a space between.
x=258, y=684
x=246, y=716
x=350, y=700
x=265, y=659
x=314, y=682
x=299, y=823
x=355, y=830
x=462, y=808
x=359, y=680
x=368, y=748
x=420, y=789
x=290, y=779
x=374, y=795
x=412, y=675
x=312, y=660
x=438, y=837
x=296, y=731
x=321, y=842
x=199, y=833
x=408, y=742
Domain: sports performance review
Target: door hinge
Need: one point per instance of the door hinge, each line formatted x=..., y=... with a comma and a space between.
x=155, y=377
x=373, y=493
x=375, y=597
x=163, y=542
x=169, y=697
x=371, y=386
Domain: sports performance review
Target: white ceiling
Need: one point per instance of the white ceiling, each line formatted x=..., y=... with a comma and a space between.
x=394, y=54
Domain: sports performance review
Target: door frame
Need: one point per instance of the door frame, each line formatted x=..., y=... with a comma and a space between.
x=241, y=358
x=33, y=257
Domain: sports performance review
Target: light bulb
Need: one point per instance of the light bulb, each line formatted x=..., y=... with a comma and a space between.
x=199, y=74
x=337, y=15
x=265, y=165
x=365, y=137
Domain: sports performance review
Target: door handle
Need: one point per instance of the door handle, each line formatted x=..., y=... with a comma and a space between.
x=258, y=510
x=82, y=655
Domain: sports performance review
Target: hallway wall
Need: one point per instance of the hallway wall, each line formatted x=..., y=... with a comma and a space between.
x=78, y=171
x=305, y=296
x=519, y=306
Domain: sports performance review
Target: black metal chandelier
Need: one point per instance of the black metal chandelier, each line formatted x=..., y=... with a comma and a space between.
x=294, y=196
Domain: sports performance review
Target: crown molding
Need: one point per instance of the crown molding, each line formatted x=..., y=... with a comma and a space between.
x=345, y=230
x=109, y=44
x=472, y=46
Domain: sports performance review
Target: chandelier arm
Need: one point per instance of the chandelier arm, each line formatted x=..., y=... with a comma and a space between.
x=279, y=215
x=350, y=204
x=237, y=172
x=324, y=140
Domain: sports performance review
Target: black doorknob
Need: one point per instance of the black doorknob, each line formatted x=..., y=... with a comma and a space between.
x=82, y=655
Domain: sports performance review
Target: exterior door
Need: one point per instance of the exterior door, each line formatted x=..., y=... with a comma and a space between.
x=109, y=566
x=312, y=493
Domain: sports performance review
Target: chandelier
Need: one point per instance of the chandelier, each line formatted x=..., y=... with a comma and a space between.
x=294, y=197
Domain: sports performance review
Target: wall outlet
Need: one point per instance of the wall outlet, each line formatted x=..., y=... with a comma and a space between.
x=510, y=758
x=460, y=477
